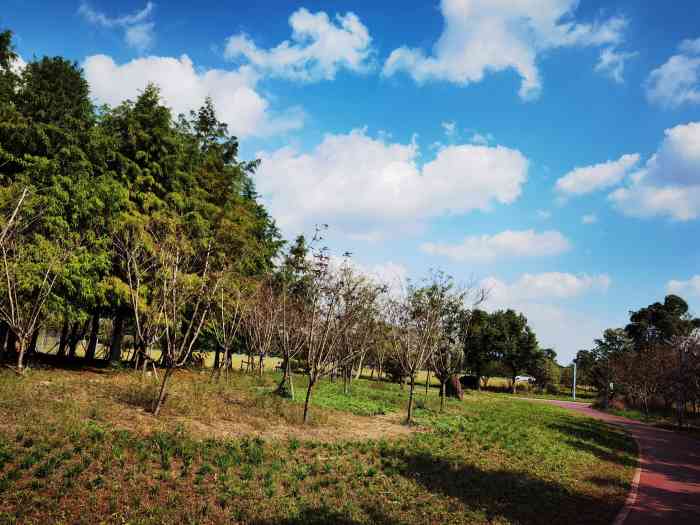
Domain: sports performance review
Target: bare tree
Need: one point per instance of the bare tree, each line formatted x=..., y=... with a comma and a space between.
x=170, y=285
x=290, y=337
x=226, y=324
x=455, y=318
x=186, y=285
x=415, y=333
x=330, y=309
x=360, y=313
x=261, y=324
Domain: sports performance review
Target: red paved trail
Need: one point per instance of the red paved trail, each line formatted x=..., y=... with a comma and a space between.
x=669, y=485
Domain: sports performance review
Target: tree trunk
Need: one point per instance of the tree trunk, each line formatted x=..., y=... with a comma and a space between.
x=217, y=354
x=409, y=417
x=162, y=394
x=513, y=385
x=290, y=379
x=286, y=379
x=21, y=345
x=442, y=395
x=347, y=374
x=115, y=347
x=94, y=333
x=32, y=343
x=427, y=382
x=478, y=378
x=63, y=341
x=306, y=401
x=73, y=340
x=359, y=367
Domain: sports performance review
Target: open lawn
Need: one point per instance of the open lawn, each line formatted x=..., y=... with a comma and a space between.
x=81, y=447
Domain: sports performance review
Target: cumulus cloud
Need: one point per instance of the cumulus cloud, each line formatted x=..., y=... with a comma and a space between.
x=504, y=245
x=362, y=185
x=138, y=30
x=589, y=218
x=612, y=63
x=486, y=36
x=184, y=87
x=318, y=49
x=543, y=286
x=581, y=181
x=669, y=183
x=690, y=287
x=677, y=81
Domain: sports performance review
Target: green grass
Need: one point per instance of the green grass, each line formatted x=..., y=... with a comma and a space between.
x=65, y=456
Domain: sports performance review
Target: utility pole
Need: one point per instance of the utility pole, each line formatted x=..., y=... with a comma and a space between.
x=574, y=379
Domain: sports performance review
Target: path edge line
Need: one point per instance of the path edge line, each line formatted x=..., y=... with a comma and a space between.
x=634, y=487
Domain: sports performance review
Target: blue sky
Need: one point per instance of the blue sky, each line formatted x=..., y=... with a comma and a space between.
x=548, y=150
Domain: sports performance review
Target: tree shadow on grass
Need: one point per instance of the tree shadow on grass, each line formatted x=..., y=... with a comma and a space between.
x=600, y=439
x=512, y=496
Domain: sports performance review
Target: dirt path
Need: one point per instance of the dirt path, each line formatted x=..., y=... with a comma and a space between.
x=669, y=484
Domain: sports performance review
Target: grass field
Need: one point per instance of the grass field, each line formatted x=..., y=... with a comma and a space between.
x=80, y=447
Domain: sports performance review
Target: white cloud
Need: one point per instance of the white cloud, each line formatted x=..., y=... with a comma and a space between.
x=482, y=139
x=138, y=31
x=450, y=129
x=690, y=287
x=590, y=218
x=581, y=181
x=392, y=275
x=359, y=184
x=544, y=214
x=504, y=245
x=318, y=49
x=669, y=183
x=612, y=63
x=487, y=36
x=563, y=328
x=543, y=286
x=185, y=87
x=140, y=36
x=677, y=81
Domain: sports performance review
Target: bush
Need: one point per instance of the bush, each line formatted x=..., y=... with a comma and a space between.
x=471, y=382
x=394, y=370
x=552, y=389
x=523, y=387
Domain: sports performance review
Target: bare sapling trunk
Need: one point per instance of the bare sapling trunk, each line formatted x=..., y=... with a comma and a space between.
x=162, y=394
x=409, y=416
x=21, y=347
x=306, y=401
x=442, y=394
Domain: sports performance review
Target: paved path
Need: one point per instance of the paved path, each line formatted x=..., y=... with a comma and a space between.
x=669, y=484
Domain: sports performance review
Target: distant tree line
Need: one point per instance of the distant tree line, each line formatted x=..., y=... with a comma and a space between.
x=652, y=363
